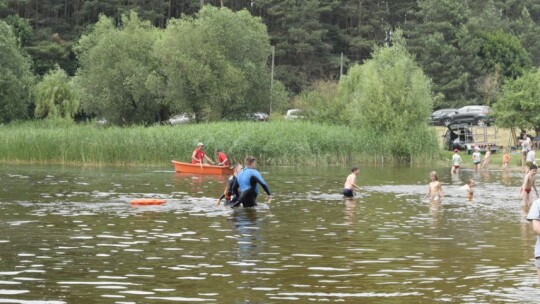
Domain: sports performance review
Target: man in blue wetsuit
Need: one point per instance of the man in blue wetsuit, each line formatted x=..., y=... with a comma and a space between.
x=247, y=181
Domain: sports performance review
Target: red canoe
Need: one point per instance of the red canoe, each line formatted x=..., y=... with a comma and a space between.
x=198, y=169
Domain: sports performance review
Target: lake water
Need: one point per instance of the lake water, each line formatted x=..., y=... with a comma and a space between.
x=69, y=235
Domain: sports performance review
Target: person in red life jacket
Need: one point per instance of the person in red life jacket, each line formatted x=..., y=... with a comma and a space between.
x=199, y=155
x=222, y=158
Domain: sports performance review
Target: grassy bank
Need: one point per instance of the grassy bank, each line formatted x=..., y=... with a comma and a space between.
x=276, y=143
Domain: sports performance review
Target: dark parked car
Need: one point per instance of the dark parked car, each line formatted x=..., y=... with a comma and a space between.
x=474, y=115
x=437, y=118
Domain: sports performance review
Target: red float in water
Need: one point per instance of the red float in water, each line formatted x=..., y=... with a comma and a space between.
x=147, y=201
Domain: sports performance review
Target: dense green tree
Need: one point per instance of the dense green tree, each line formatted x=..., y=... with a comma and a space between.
x=319, y=103
x=21, y=27
x=518, y=104
x=16, y=79
x=505, y=52
x=302, y=45
x=389, y=97
x=116, y=64
x=446, y=49
x=214, y=65
x=55, y=96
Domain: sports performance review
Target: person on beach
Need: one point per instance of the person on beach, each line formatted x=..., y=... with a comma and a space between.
x=456, y=162
x=222, y=158
x=469, y=189
x=526, y=145
x=528, y=185
x=199, y=156
x=350, y=183
x=530, y=159
x=247, y=181
x=506, y=159
x=477, y=159
x=435, y=190
x=487, y=156
x=231, y=194
x=534, y=217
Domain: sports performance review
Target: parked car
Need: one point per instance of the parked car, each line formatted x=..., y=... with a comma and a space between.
x=259, y=116
x=102, y=121
x=474, y=115
x=294, y=114
x=438, y=118
x=180, y=119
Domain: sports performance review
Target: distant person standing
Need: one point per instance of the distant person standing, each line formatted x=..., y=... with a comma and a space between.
x=487, y=158
x=222, y=158
x=477, y=159
x=526, y=145
x=530, y=159
x=247, y=182
x=528, y=185
x=456, y=162
x=506, y=159
x=350, y=183
x=199, y=155
x=534, y=217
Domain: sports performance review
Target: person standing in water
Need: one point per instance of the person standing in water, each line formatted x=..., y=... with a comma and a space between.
x=456, y=162
x=350, y=183
x=435, y=190
x=485, y=162
x=231, y=194
x=247, y=181
x=469, y=188
x=506, y=159
x=528, y=185
x=534, y=217
x=477, y=159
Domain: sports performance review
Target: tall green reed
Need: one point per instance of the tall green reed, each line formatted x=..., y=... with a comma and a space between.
x=275, y=143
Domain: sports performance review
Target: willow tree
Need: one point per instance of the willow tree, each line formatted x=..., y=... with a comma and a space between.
x=55, y=96
x=16, y=78
x=116, y=64
x=389, y=99
x=214, y=65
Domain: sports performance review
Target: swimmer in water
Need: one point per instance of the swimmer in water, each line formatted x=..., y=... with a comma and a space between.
x=435, y=191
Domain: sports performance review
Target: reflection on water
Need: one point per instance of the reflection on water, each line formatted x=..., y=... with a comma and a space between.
x=70, y=236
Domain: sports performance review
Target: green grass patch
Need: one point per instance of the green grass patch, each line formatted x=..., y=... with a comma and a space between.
x=274, y=143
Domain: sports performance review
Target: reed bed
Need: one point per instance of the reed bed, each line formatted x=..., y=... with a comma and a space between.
x=275, y=143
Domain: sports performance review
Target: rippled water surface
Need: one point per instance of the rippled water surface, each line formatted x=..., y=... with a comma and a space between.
x=69, y=235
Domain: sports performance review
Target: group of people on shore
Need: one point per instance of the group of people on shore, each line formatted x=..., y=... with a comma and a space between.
x=242, y=186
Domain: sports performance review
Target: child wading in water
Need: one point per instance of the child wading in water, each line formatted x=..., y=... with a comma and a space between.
x=528, y=185
x=435, y=191
x=477, y=158
x=506, y=159
x=485, y=162
x=468, y=187
x=456, y=161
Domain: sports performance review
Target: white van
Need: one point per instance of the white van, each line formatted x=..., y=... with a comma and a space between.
x=293, y=114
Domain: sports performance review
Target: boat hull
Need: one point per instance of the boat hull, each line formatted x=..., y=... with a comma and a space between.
x=181, y=167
